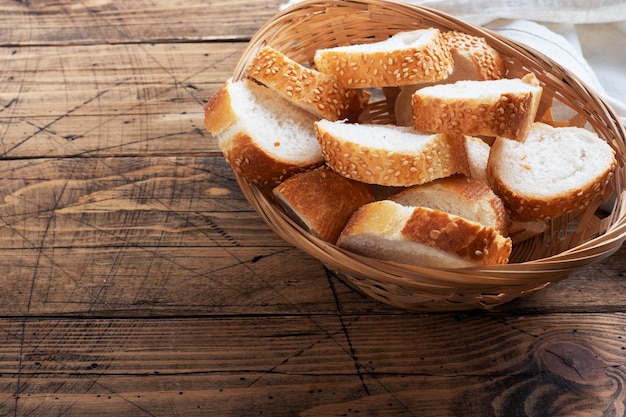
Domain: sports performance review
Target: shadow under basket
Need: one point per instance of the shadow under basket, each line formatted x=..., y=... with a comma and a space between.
x=569, y=243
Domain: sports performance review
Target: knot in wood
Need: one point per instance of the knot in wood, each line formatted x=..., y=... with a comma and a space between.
x=573, y=362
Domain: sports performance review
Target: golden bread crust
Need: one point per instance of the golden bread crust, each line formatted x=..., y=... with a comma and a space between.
x=218, y=111
x=322, y=201
x=526, y=208
x=378, y=165
x=552, y=144
x=468, y=240
x=365, y=68
x=319, y=93
x=473, y=59
x=459, y=195
x=252, y=154
x=510, y=115
x=488, y=62
x=465, y=240
x=250, y=161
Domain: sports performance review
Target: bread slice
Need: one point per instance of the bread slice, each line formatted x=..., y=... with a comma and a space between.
x=459, y=195
x=474, y=59
x=555, y=171
x=386, y=154
x=264, y=137
x=476, y=154
x=505, y=107
x=422, y=236
x=312, y=90
x=404, y=58
x=322, y=201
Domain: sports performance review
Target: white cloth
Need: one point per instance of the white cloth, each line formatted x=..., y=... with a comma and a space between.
x=588, y=37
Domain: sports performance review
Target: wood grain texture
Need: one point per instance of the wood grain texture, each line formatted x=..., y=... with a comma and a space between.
x=110, y=100
x=105, y=235
x=137, y=280
x=318, y=365
x=110, y=21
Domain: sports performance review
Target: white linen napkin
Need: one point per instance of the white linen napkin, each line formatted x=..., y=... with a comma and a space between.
x=588, y=37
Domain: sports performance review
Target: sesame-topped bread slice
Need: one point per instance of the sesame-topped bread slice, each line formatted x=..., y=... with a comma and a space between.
x=386, y=154
x=404, y=58
x=505, y=107
x=319, y=93
x=474, y=59
x=463, y=196
x=422, y=236
x=264, y=137
x=554, y=172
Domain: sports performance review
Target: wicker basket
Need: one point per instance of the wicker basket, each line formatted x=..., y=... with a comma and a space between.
x=569, y=243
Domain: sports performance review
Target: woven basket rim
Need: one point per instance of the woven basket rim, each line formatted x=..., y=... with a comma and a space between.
x=526, y=274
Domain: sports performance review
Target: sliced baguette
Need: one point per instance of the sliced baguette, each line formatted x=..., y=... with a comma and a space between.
x=322, y=201
x=474, y=59
x=554, y=172
x=459, y=195
x=386, y=154
x=405, y=58
x=264, y=137
x=319, y=93
x=422, y=236
x=505, y=107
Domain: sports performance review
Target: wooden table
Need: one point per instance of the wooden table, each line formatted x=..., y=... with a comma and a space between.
x=138, y=281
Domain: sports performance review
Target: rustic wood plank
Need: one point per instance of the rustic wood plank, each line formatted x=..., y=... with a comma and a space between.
x=86, y=202
x=138, y=281
x=111, y=100
x=104, y=21
x=163, y=282
x=143, y=236
x=132, y=236
x=427, y=365
x=598, y=288
x=209, y=282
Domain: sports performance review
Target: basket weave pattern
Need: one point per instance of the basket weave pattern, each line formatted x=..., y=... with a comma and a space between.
x=570, y=242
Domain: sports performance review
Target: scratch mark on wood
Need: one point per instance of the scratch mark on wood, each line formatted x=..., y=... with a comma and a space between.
x=75, y=371
x=189, y=88
x=346, y=333
x=257, y=259
x=220, y=231
x=9, y=104
x=59, y=118
x=19, y=386
x=42, y=245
